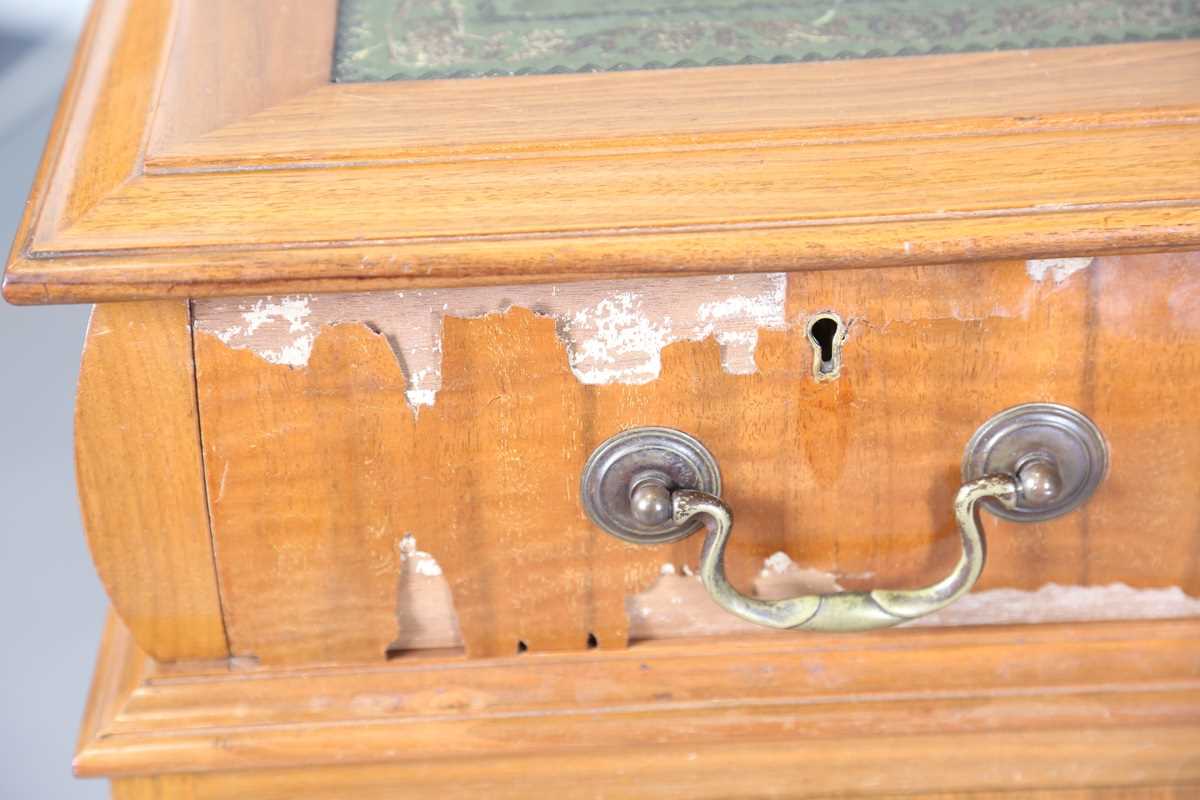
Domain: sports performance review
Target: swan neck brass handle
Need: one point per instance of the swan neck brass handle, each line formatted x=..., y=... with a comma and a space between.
x=844, y=611
x=1031, y=462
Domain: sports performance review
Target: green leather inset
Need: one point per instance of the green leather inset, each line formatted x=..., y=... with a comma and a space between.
x=398, y=39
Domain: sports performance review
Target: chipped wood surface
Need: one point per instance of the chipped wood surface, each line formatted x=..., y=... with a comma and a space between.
x=612, y=330
x=307, y=462
x=852, y=477
x=141, y=486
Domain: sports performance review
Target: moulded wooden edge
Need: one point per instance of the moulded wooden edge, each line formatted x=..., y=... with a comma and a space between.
x=502, y=261
x=95, y=168
x=1097, y=704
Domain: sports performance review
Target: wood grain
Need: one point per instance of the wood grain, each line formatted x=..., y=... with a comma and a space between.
x=71, y=175
x=105, y=134
x=374, y=782
x=324, y=540
x=231, y=59
x=483, y=478
x=1146, y=325
x=141, y=485
x=648, y=111
x=923, y=160
x=853, y=477
x=363, y=267
x=785, y=187
x=1101, y=705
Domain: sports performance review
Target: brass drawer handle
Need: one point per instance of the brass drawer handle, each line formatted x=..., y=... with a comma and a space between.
x=1031, y=462
x=845, y=611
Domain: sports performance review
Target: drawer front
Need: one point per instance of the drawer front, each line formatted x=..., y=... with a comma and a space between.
x=398, y=471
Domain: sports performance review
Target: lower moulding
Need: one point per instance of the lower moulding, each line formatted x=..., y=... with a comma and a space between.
x=1099, y=704
x=677, y=605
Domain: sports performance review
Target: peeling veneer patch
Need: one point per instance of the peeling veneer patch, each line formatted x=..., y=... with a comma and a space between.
x=678, y=605
x=1059, y=269
x=614, y=331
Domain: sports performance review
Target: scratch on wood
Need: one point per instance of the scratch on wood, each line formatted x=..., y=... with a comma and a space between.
x=221, y=486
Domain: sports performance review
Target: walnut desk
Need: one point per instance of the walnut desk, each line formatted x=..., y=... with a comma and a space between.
x=437, y=345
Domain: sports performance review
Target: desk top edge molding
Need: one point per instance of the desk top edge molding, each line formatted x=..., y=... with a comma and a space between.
x=159, y=183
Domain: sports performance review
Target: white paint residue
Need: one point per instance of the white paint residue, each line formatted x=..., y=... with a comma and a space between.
x=420, y=397
x=614, y=331
x=287, y=321
x=422, y=563
x=777, y=563
x=721, y=318
x=295, y=354
x=615, y=340
x=293, y=310
x=667, y=569
x=1058, y=268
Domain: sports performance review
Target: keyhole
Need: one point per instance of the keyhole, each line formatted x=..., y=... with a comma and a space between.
x=825, y=333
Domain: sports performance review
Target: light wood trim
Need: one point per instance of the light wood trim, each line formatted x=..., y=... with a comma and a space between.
x=233, y=58
x=105, y=137
x=117, y=676
x=504, y=260
x=966, y=180
x=395, y=783
x=65, y=130
x=1017, y=707
x=141, y=484
x=986, y=171
x=657, y=111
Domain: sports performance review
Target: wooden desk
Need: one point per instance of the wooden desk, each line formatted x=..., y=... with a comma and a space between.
x=355, y=341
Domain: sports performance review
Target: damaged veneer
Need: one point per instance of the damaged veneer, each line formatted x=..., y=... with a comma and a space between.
x=319, y=473
x=677, y=605
x=614, y=331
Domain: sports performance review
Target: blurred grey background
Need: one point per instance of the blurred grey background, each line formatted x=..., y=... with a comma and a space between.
x=51, y=602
